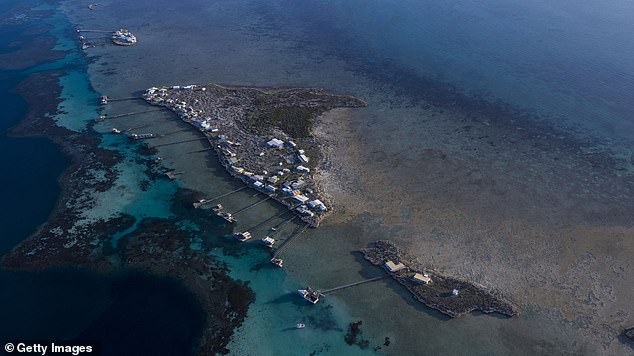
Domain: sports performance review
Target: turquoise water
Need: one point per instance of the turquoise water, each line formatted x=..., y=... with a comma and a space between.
x=66, y=304
x=359, y=47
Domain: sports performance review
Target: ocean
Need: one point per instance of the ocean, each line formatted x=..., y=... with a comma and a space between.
x=496, y=145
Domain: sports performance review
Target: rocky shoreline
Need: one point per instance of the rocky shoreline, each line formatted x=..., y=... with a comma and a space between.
x=262, y=136
x=450, y=296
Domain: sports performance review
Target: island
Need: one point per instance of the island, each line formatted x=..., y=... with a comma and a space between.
x=262, y=136
x=448, y=295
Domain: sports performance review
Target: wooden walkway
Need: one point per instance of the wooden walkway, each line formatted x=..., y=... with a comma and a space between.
x=289, y=240
x=251, y=205
x=182, y=141
x=207, y=201
x=131, y=113
x=324, y=292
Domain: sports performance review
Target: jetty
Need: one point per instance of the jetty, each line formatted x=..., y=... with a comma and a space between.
x=331, y=290
x=251, y=205
x=289, y=240
x=260, y=224
x=95, y=31
x=109, y=117
x=204, y=202
x=179, y=142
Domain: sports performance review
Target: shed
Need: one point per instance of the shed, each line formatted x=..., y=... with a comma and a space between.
x=301, y=198
x=421, y=278
x=393, y=267
x=275, y=143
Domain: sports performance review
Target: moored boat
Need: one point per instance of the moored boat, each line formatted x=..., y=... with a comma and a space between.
x=268, y=241
x=309, y=294
x=242, y=236
x=226, y=216
x=278, y=262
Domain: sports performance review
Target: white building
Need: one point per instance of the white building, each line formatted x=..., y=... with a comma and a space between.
x=317, y=205
x=275, y=143
x=302, y=169
x=421, y=278
x=303, y=158
x=394, y=267
x=301, y=198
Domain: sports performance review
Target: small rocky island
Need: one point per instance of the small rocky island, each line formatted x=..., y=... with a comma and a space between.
x=448, y=295
x=262, y=136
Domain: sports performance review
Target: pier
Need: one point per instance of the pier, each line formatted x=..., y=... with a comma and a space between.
x=128, y=98
x=327, y=291
x=278, y=226
x=289, y=240
x=251, y=205
x=260, y=224
x=131, y=113
x=95, y=31
x=204, y=202
x=182, y=141
x=203, y=150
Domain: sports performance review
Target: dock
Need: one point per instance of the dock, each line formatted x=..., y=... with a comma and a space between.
x=204, y=202
x=327, y=291
x=251, y=205
x=128, y=98
x=289, y=240
x=132, y=113
x=182, y=141
x=95, y=31
x=260, y=224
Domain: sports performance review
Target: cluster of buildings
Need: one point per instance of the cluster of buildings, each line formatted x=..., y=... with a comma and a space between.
x=395, y=267
x=271, y=165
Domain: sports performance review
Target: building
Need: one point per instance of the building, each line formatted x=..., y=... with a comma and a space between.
x=270, y=188
x=302, y=169
x=421, y=278
x=317, y=205
x=303, y=158
x=273, y=179
x=258, y=185
x=301, y=198
x=287, y=191
x=275, y=143
x=298, y=184
x=393, y=267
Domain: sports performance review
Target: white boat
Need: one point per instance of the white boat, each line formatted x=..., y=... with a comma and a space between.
x=309, y=294
x=227, y=216
x=116, y=130
x=300, y=325
x=268, y=241
x=273, y=229
x=278, y=262
x=217, y=208
x=242, y=236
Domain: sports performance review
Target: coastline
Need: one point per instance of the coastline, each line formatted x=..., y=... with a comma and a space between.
x=58, y=243
x=245, y=124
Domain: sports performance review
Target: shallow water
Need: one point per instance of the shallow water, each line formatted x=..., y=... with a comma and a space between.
x=540, y=57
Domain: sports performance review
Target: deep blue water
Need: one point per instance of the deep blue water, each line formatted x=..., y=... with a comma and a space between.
x=131, y=313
